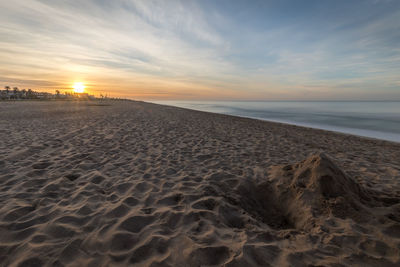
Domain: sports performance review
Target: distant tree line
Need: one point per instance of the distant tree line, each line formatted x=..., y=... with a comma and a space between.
x=16, y=94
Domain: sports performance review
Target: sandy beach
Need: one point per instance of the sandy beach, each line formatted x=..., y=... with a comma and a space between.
x=119, y=183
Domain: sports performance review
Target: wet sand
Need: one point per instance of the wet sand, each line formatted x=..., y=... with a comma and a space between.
x=133, y=183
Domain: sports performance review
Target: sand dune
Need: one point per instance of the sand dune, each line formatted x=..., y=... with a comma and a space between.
x=133, y=183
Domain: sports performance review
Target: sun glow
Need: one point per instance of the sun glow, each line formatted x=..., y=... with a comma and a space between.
x=79, y=88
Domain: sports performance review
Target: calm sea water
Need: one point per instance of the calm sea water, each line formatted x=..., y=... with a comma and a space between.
x=379, y=120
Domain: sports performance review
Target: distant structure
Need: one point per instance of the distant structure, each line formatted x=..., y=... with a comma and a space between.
x=16, y=94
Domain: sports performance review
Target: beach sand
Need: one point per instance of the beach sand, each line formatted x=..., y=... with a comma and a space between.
x=133, y=183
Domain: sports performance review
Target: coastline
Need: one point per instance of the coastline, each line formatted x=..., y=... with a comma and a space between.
x=268, y=109
x=368, y=134
x=147, y=184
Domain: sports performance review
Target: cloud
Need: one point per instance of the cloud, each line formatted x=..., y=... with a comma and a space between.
x=204, y=48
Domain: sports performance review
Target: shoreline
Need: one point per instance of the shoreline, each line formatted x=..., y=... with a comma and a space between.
x=331, y=129
x=293, y=124
x=393, y=138
x=357, y=131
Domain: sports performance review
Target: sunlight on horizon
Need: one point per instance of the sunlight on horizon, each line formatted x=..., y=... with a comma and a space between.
x=79, y=87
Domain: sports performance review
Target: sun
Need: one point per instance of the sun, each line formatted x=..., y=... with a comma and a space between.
x=79, y=88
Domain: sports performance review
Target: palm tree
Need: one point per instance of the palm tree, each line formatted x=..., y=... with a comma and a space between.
x=7, y=89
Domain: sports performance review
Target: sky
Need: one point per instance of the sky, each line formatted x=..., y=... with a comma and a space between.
x=204, y=50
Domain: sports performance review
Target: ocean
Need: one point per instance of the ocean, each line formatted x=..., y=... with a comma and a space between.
x=379, y=119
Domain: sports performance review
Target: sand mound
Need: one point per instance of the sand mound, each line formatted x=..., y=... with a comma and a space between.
x=314, y=189
x=314, y=197
x=302, y=195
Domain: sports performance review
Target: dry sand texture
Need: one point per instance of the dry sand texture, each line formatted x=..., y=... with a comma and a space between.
x=150, y=185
